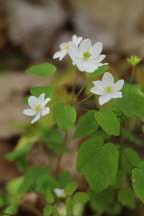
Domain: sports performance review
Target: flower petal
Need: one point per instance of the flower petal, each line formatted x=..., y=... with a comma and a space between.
x=90, y=67
x=76, y=39
x=33, y=101
x=60, y=54
x=46, y=101
x=85, y=45
x=96, y=49
x=119, y=84
x=108, y=79
x=37, y=117
x=98, y=59
x=116, y=94
x=97, y=83
x=29, y=112
x=63, y=45
x=97, y=90
x=41, y=98
x=45, y=111
x=104, y=99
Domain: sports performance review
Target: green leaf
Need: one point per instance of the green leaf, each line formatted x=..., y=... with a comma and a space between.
x=50, y=197
x=138, y=181
x=37, y=91
x=108, y=121
x=53, y=138
x=69, y=206
x=45, y=183
x=132, y=137
x=63, y=179
x=45, y=69
x=101, y=201
x=86, y=125
x=130, y=159
x=132, y=102
x=99, y=71
x=126, y=196
x=81, y=197
x=70, y=188
x=120, y=179
x=48, y=210
x=98, y=162
x=17, y=153
x=12, y=208
x=64, y=116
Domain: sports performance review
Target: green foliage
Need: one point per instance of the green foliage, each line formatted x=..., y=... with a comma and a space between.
x=63, y=179
x=134, y=60
x=132, y=137
x=86, y=125
x=20, y=157
x=53, y=138
x=37, y=91
x=50, y=197
x=69, y=206
x=101, y=201
x=81, y=197
x=138, y=181
x=64, y=116
x=44, y=69
x=126, y=196
x=130, y=159
x=99, y=71
x=108, y=121
x=70, y=188
x=132, y=102
x=48, y=210
x=45, y=183
x=120, y=178
x=98, y=162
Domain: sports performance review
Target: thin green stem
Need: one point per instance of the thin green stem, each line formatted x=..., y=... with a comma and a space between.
x=83, y=86
x=61, y=154
x=85, y=99
x=121, y=145
x=132, y=74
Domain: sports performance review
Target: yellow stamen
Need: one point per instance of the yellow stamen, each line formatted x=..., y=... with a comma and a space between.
x=66, y=47
x=38, y=108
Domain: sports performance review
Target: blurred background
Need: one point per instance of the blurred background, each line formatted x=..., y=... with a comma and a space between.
x=30, y=33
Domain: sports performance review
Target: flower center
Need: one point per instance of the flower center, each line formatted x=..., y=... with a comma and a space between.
x=38, y=108
x=109, y=89
x=66, y=47
x=86, y=55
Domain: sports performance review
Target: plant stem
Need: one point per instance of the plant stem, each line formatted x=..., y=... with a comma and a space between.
x=84, y=84
x=132, y=74
x=85, y=99
x=61, y=154
x=74, y=86
x=121, y=144
x=1, y=213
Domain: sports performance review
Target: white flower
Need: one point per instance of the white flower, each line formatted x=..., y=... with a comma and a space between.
x=107, y=88
x=59, y=192
x=86, y=57
x=38, y=108
x=65, y=47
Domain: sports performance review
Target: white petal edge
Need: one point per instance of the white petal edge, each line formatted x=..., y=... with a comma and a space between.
x=37, y=117
x=60, y=54
x=108, y=79
x=45, y=111
x=116, y=95
x=97, y=49
x=104, y=99
x=76, y=39
x=41, y=98
x=29, y=112
x=96, y=90
x=119, y=84
x=33, y=101
x=85, y=45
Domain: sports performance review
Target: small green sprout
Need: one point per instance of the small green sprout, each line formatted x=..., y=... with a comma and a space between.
x=134, y=60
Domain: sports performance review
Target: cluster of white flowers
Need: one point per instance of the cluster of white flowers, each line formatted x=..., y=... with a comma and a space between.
x=87, y=58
